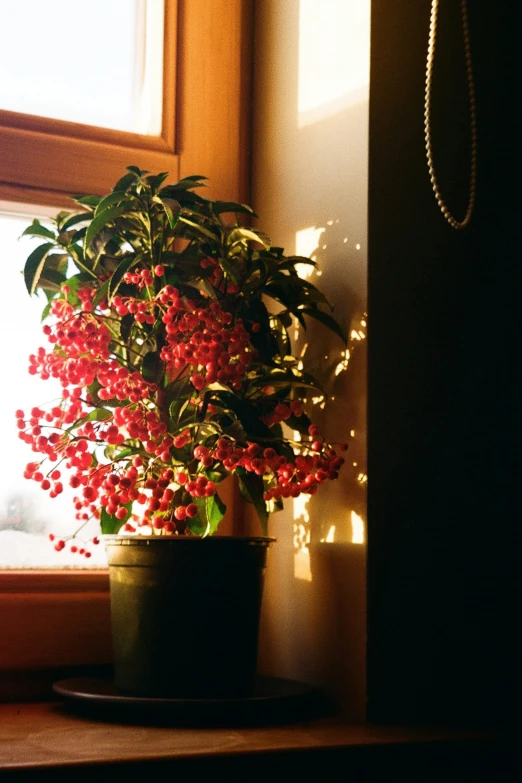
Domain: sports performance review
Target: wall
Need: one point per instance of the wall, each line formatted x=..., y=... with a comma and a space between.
x=444, y=383
x=310, y=145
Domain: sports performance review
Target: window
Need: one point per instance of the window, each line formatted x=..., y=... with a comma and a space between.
x=27, y=513
x=58, y=149
x=112, y=81
x=59, y=618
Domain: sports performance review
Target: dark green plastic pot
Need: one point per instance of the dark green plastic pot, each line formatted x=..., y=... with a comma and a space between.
x=185, y=614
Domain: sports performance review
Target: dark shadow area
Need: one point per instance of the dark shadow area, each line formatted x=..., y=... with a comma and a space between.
x=444, y=570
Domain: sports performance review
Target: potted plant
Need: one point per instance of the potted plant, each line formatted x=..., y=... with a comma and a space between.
x=175, y=376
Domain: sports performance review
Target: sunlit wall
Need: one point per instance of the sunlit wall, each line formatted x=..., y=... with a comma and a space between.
x=310, y=190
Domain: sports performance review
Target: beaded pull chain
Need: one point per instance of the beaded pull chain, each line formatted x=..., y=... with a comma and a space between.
x=458, y=224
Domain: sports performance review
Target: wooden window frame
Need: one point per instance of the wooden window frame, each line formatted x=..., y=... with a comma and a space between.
x=54, y=619
x=45, y=160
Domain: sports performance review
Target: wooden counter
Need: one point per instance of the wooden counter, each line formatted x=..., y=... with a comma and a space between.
x=36, y=739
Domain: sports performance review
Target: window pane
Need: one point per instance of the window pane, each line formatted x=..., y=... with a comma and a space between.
x=27, y=513
x=99, y=63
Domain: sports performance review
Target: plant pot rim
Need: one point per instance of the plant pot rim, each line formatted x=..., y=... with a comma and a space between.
x=130, y=540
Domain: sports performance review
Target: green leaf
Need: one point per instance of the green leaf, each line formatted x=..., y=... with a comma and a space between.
x=172, y=210
x=197, y=526
x=126, y=324
x=87, y=201
x=34, y=266
x=187, y=198
x=136, y=171
x=194, y=181
x=93, y=390
x=257, y=275
x=79, y=217
x=211, y=512
x=217, y=474
x=37, y=230
x=233, y=268
x=178, y=389
x=276, y=504
x=278, y=378
x=125, y=182
x=101, y=220
x=155, y=181
x=51, y=280
x=115, y=197
x=77, y=281
x=65, y=238
x=46, y=310
x=234, y=430
x=252, y=490
x=198, y=228
x=101, y=293
x=204, y=287
x=98, y=414
x=119, y=272
x=243, y=235
x=293, y=292
x=247, y=413
x=229, y=206
x=285, y=318
x=100, y=242
x=152, y=367
x=76, y=253
x=109, y=524
x=325, y=319
x=176, y=410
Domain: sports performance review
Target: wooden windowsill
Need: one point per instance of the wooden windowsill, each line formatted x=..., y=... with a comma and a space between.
x=35, y=737
x=55, y=619
x=41, y=580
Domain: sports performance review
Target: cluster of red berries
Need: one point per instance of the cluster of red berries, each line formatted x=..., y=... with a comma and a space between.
x=121, y=384
x=282, y=412
x=57, y=417
x=206, y=341
x=287, y=478
x=81, y=343
x=140, y=277
x=60, y=544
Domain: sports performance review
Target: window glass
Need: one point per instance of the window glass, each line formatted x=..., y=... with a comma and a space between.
x=98, y=64
x=27, y=513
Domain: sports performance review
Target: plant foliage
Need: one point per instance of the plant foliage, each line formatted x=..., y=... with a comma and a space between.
x=169, y=328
